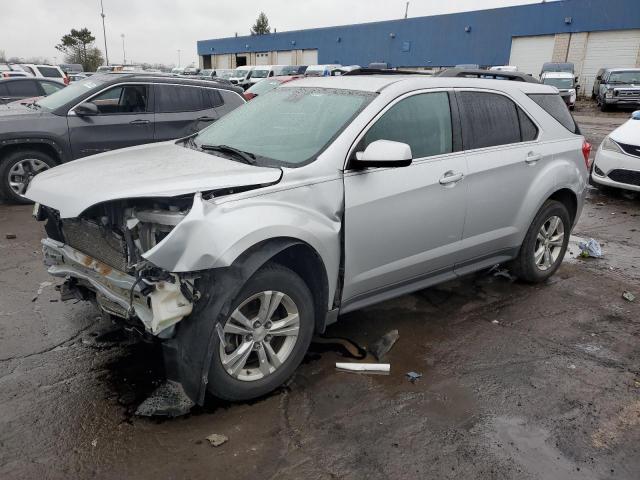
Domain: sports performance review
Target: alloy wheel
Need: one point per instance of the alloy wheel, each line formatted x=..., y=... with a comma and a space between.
x=549, y=243
x=259, y=336
x=23, y=171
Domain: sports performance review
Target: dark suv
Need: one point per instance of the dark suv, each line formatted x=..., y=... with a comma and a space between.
x=102, y=113
x=615, y=87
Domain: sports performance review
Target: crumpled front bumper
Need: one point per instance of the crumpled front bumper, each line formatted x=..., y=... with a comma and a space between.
x=118, y=293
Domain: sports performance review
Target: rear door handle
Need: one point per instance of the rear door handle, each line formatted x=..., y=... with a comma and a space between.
x=139, y=122
x=451, y=177
x=532, y=158
x=206, y=119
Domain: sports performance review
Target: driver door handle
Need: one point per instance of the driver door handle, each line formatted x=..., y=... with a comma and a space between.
x=139, y=122
x=532, y=158
x=451, y=177
x=206, y=119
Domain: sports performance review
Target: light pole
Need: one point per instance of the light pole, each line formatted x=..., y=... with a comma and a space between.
x=178, y=58
x=124, y=55
x=104, y=33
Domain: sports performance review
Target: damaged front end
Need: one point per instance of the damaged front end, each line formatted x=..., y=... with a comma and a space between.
x=100, y=253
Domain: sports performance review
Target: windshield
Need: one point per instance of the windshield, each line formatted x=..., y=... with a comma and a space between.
x=289, y=126
x=315, y=72
x=560, y=83
x=224, y=73
x=263, y=86
x=625, y=77
x=259, y=73
x=240, y=73
x=72, y=92
x=290, y=70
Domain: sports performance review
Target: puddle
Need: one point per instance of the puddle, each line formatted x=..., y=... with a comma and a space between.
x=530, y=447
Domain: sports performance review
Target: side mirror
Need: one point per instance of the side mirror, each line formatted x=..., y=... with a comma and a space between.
x=86, y=109
x=384, y=153
x=599, y=77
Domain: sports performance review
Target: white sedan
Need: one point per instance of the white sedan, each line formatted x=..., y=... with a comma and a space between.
x=618, y=158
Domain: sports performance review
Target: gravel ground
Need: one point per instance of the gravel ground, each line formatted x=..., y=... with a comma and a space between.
x=518, y=381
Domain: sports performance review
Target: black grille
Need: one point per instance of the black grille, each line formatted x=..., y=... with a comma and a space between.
x=97, y=242
x=630, y=149
x=629, y=177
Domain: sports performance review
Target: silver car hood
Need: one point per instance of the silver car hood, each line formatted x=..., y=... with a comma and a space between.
x=155, y=170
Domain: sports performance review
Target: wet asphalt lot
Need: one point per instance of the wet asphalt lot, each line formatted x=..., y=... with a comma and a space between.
x=518, y=381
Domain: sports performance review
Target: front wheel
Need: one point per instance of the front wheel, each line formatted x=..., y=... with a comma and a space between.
x=545, y=244
x=16, y=171
x=262, y=342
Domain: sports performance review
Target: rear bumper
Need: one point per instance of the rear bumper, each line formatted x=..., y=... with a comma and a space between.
x=118, y=293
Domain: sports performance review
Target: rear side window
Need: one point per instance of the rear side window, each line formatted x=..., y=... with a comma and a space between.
x=528, y=129
x=231, y=98
x=215, y=99
x=423, y=121
x=555, y=106
x=50, y=72
x=176, y=98
x=488, y=119
x=50, y=87
x=25, y=88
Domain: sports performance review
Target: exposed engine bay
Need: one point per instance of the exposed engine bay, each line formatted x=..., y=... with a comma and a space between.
x=100, y=254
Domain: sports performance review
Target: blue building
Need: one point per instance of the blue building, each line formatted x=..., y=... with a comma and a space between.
x=590, y=33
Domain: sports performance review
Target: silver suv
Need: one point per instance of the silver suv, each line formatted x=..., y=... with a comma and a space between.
x=324, y=196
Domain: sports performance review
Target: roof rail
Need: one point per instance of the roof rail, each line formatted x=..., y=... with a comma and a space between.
x=488, y=74
x=382, y=71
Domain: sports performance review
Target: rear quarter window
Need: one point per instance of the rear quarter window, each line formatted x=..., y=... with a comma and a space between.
x=555, y=106
x=50, y=72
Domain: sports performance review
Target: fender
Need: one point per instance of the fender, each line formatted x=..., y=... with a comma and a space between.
x=215, y=233
x=26, y=139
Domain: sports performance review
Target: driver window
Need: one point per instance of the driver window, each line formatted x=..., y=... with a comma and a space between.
x=422, y=121
x=123, y=99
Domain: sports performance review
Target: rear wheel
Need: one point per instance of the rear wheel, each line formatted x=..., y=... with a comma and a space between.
x=545, y=244
x=265, y=337
x=18, y=169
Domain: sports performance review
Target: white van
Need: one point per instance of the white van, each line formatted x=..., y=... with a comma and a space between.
x=260, y=72
x=320, y=70
x=241, y=76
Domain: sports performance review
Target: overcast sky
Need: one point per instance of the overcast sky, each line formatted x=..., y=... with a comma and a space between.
x=155, y=29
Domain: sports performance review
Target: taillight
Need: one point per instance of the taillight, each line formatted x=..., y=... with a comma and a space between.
x=248, y=96
x=66, y=80
x=586, y=151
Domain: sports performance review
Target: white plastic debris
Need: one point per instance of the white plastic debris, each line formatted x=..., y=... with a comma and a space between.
x=364, y=367
x=413, y=376
x=628, y=296
x=590, y=248
x=216, y=439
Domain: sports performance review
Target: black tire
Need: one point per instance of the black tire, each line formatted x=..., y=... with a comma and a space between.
x=277, y=278
x=524, y=266
x=11, y=160
x=603, y=105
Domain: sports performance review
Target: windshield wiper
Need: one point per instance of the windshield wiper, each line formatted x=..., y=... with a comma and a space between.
x=246, y=157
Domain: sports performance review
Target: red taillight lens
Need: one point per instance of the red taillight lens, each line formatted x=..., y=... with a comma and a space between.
x=248, y=96
x=586, y=151
x=66, y=80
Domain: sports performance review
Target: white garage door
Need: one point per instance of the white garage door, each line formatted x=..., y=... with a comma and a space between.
x=262, y=58
x=617, y=48
x=529, y=53
x=283, y=58
x=309, y=57
x=223, y=61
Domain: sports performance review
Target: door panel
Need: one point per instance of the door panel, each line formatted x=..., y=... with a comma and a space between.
x=125, y=120
x=402, y=224
x=503, y=160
